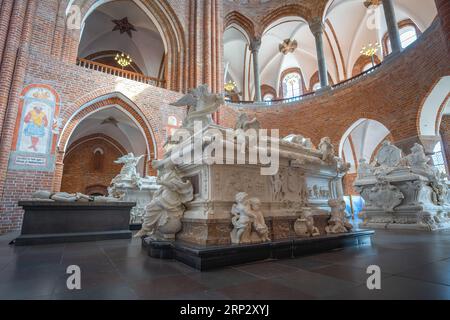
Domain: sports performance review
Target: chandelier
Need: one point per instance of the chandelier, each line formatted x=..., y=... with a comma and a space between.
x=371, y=49
x=230, y=86
x=124, y=60
x=372, y=4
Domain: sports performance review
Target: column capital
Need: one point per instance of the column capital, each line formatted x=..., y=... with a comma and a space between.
x=316, y=26
x=255, y=44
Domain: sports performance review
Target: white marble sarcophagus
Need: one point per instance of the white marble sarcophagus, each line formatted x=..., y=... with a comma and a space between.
x=306, y=181
x=403, y=192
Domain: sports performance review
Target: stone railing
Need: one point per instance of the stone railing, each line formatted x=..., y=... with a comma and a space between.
x=306, y=95
x=139, y=77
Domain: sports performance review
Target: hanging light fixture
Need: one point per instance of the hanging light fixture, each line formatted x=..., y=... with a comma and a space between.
x=124, y=60
x=370, y=51
x=230, y=86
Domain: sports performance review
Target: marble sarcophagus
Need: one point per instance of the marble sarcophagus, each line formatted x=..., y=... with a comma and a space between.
x=403, y=192
x=303, y=182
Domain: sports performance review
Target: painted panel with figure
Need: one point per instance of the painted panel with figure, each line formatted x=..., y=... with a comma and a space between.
x=37, y=130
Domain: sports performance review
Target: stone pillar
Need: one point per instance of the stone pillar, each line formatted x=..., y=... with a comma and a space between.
x=317, y=29
x=255, y=45
x=429, y=143
x=391, y=21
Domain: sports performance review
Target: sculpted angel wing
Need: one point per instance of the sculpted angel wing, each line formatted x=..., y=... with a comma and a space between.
x=187, y=100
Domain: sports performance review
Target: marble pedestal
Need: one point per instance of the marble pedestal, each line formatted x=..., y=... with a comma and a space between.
x=206, y=258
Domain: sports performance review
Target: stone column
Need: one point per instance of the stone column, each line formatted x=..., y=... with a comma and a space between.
x=391, y=21
x=255, y=45
x=317, y=29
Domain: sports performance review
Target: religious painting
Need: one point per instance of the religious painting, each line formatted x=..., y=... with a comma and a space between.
x=35, y=137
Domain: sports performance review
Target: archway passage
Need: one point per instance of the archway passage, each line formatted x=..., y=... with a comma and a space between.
x=97, y=141
x=361, y=141
x=123, y=27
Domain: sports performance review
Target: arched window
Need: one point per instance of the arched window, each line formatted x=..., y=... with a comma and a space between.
x=292, y=85
x=317, y=86
x=438, y=158
x=367, y=67
x=268, y=97
x=408, y=35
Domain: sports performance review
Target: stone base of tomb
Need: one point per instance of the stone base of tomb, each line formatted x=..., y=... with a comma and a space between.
x=58, y=222
x=206, y=258
x=216, y=232
x=412, y=218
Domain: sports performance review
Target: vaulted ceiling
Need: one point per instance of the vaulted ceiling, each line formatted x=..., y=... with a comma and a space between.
x=349, y=26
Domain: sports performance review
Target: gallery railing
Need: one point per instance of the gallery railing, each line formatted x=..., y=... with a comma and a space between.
x=306, y=95
x=92, y=65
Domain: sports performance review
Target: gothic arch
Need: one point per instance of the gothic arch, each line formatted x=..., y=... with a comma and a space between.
x=170, y=28
x=241, y=21
x=286, y=11
x=81, y=112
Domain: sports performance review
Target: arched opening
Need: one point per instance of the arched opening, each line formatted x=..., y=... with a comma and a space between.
x=409, y=33
x=361, y=141
x=237, y=58
x=97, y=141
x=118, y=27
x=292, y=85
x=348, y=34
x=287, y=56
x=434, y=124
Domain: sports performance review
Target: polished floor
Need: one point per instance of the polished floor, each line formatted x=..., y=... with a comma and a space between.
x=414, y=265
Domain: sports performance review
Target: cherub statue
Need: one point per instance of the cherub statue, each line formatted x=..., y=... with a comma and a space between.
x=162, y=219
x=305, y=226
x=327, y=149
x=244, y=123
x=418, y=158
x=259, y=224
x=338, y=222
x=248, y=221
x=201, y=105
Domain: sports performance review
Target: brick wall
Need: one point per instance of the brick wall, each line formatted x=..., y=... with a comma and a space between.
x=83, y=168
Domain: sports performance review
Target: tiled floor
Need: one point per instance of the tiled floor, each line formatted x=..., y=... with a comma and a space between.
x=414, y=265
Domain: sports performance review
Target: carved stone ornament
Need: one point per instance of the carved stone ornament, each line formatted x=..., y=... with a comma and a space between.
x=386, y=196
x=299, y=140
x=244, y=123
x=201, y=105
x=389, y=155
x=338, y=222
x=304, y=226
x=248, y=221
x=327, y=149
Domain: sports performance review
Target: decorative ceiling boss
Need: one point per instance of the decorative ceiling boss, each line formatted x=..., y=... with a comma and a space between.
x=288, y=46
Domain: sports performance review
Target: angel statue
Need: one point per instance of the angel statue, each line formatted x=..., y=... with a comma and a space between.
x=129, y=170
x=202, y=104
